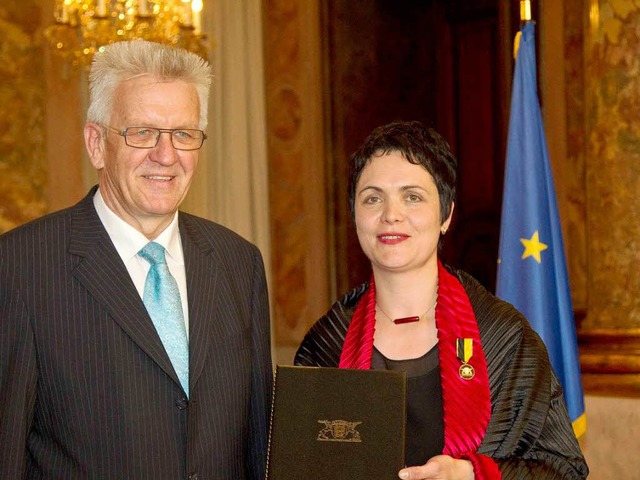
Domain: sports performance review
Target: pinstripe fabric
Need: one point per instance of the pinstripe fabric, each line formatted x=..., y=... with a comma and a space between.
x=529, y=434
x=86, y=388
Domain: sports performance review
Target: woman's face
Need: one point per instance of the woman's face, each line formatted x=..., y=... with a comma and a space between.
x=397, y=214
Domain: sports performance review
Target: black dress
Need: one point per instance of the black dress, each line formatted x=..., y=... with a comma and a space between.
x=425, y=425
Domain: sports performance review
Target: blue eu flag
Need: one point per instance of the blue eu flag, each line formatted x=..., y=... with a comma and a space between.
x=532, y=271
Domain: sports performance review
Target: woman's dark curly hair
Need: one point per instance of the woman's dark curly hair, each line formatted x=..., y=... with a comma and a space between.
x=419, y=145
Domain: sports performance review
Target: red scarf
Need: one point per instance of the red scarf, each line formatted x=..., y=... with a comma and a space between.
x=466, y=403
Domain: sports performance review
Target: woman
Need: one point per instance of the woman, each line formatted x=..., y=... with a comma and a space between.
x=483, y=402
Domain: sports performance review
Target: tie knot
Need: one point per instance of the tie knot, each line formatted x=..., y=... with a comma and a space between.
x=153, y=253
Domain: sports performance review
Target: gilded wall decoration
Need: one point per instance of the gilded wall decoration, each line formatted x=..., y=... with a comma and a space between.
x=22, y=160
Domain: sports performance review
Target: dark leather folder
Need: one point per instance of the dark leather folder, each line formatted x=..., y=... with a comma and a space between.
x=333, y=424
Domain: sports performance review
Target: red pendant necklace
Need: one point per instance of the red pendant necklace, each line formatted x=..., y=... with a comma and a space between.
x=412, y=319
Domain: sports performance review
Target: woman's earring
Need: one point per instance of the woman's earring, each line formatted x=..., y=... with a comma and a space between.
x=443, y=230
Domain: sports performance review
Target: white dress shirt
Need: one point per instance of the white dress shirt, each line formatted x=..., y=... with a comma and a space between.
x=129, y=241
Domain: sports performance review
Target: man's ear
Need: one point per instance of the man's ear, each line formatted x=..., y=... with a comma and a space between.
x=94, y=139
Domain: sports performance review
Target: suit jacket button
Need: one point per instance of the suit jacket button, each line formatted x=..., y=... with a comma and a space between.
x=182, y=404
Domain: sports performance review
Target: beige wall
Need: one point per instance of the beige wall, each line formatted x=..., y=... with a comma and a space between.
x=611, y=442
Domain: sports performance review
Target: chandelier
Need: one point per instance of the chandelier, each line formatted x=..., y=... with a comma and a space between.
x=83, y=27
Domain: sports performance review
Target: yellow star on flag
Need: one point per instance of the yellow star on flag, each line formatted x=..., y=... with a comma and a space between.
x=533, y=247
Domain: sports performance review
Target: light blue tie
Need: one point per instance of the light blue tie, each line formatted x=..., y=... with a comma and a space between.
x=162, y=299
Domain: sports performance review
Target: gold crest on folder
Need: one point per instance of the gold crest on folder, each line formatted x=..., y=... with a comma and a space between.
x=339, y=431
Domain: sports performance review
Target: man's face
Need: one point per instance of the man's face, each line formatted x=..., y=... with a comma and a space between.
x=145, y=187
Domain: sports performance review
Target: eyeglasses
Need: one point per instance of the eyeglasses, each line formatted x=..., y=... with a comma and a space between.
x=148, y=137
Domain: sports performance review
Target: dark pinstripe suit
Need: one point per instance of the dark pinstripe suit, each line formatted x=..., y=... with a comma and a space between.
x=86, y=388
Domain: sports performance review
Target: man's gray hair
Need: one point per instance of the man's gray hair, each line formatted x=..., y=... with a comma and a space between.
x=123, y=61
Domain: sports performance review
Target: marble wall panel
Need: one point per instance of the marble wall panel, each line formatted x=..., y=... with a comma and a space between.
x=612, y=120
x=23, y=166
x=562, y=79
x=297, y=166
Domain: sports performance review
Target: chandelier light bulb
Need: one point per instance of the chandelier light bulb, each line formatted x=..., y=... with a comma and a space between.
x=82, y=27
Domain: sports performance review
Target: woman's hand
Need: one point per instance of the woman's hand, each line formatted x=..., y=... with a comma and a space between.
x=440, y=467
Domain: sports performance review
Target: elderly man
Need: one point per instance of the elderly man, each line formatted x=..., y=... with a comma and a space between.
x=134, y=339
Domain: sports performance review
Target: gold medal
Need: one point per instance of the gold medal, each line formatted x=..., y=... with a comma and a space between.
x=466, y=371
x=464, y=350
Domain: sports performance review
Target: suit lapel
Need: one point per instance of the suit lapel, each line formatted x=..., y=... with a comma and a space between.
x=104, y=275
x=202, y=276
